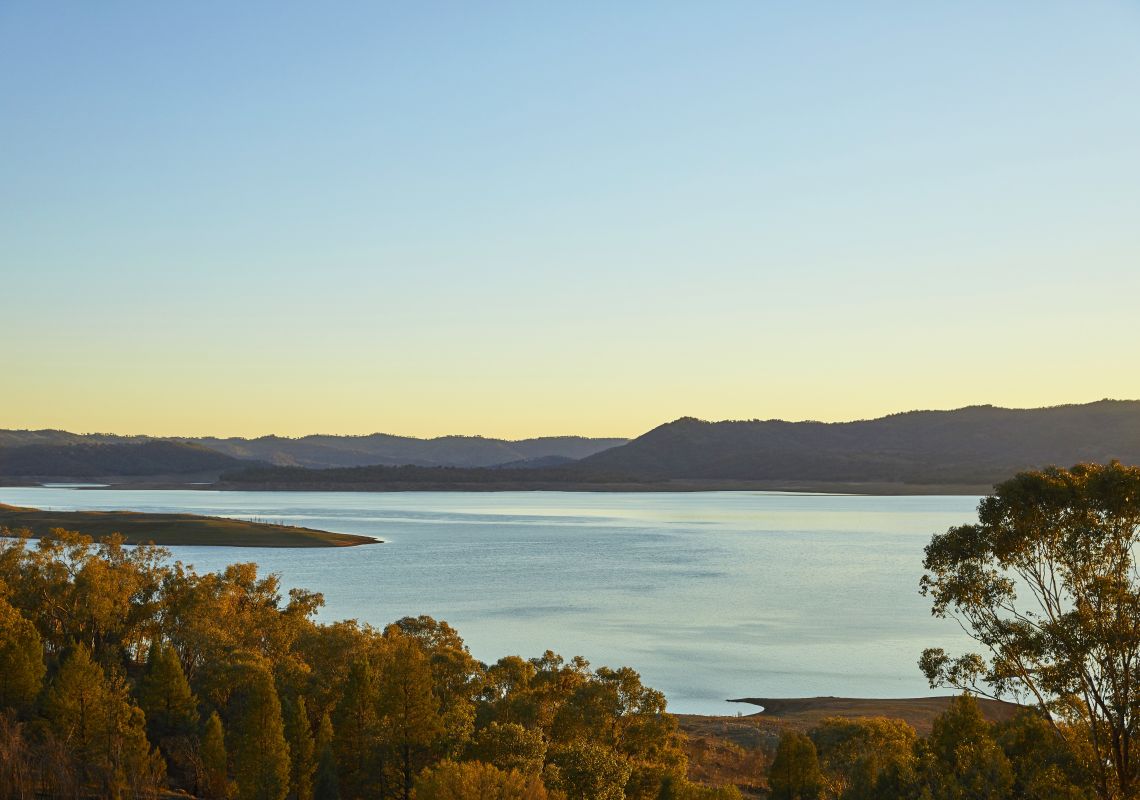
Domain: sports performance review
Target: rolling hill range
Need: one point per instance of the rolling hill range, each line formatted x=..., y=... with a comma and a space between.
x=92, y=460
x=381, y=448
x=49, y=452
x=966, y=448
x=979, y=444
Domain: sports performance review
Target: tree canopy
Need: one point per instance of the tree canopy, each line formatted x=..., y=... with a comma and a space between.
x=124, y=673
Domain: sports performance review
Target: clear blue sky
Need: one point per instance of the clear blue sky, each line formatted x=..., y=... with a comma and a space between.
x=518, y=219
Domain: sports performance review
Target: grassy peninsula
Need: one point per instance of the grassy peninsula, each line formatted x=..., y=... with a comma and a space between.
x=172, y=529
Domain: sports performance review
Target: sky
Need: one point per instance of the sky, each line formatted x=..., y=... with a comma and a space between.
x=520, y=219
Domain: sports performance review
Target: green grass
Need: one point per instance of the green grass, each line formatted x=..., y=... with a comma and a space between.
x=173, y=529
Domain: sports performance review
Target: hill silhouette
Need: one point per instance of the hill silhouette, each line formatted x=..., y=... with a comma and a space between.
x=321, y=451
x=978, y=444
x=109, y=460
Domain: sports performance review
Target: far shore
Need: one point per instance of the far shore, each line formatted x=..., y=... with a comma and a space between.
x=869, y=488
x=920, y=712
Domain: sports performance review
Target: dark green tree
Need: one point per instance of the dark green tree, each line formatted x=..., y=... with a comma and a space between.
x=164, y=695
x=326, y=786
x=103, y=731
x=213, y=779
x=357, y=735
x=795, y=774
x=302, y=749
x=408, y=709
x=963, y=759
x=510, y=746
x=256, y=736
x=21, y=660
x=588, y=771
x=1044, y=767
x=852, y=752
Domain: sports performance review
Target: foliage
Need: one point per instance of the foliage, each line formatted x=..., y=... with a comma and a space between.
x=302, y=749
x=1043, y=766
x=474, y=780
x=326, y=784
x=962, y=759
x=212, y=779
x=225, y=674
x=510, y=746
x=854, y=752
x=587, y=771
x=256, y=736
x=407, y=708
x=795, y=773
x=680, y=789
x=92, y=716
x=1046, y=583
x=164, y=695
x=21, y=659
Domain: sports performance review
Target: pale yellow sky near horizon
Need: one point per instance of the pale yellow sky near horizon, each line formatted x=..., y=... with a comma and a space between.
x=201, y=424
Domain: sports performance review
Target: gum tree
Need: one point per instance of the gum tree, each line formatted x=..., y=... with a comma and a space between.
x=1047, y=584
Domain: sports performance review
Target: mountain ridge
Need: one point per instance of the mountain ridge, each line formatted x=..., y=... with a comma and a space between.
x=326, y=450
x=970, y=444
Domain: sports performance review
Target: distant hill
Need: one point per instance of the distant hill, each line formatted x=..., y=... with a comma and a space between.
x=110, y=460
x=979, y=444
x=966, y=449
x=320, y=451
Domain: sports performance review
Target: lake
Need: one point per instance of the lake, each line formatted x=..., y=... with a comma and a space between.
x=709, y=595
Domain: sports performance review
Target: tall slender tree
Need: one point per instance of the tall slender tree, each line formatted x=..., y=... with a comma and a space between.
x=213, y=781
x=409, y=709
x=256, y=736
x=21, y=659
x=325, y=783
x=302, y=747
x=795, y=773
x=164, y=694
x=357, y=735
x=103, y=731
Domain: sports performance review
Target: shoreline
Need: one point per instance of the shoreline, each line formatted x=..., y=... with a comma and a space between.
x=858, y=488
x=172, y=530
x=803, y=713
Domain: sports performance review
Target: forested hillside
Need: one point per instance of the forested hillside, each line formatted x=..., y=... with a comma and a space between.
x=320, y=451
x=85, y=460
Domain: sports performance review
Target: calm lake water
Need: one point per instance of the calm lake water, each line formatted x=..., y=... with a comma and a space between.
x=710, y=595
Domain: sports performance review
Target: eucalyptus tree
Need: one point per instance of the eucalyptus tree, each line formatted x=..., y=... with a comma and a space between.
x=1047, y=584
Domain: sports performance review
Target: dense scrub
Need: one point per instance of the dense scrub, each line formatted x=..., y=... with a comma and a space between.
x=964, y=757
x=124, y=675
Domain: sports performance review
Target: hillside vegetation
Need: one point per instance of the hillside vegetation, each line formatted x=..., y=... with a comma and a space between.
x=87, y=460
x=320, y=451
